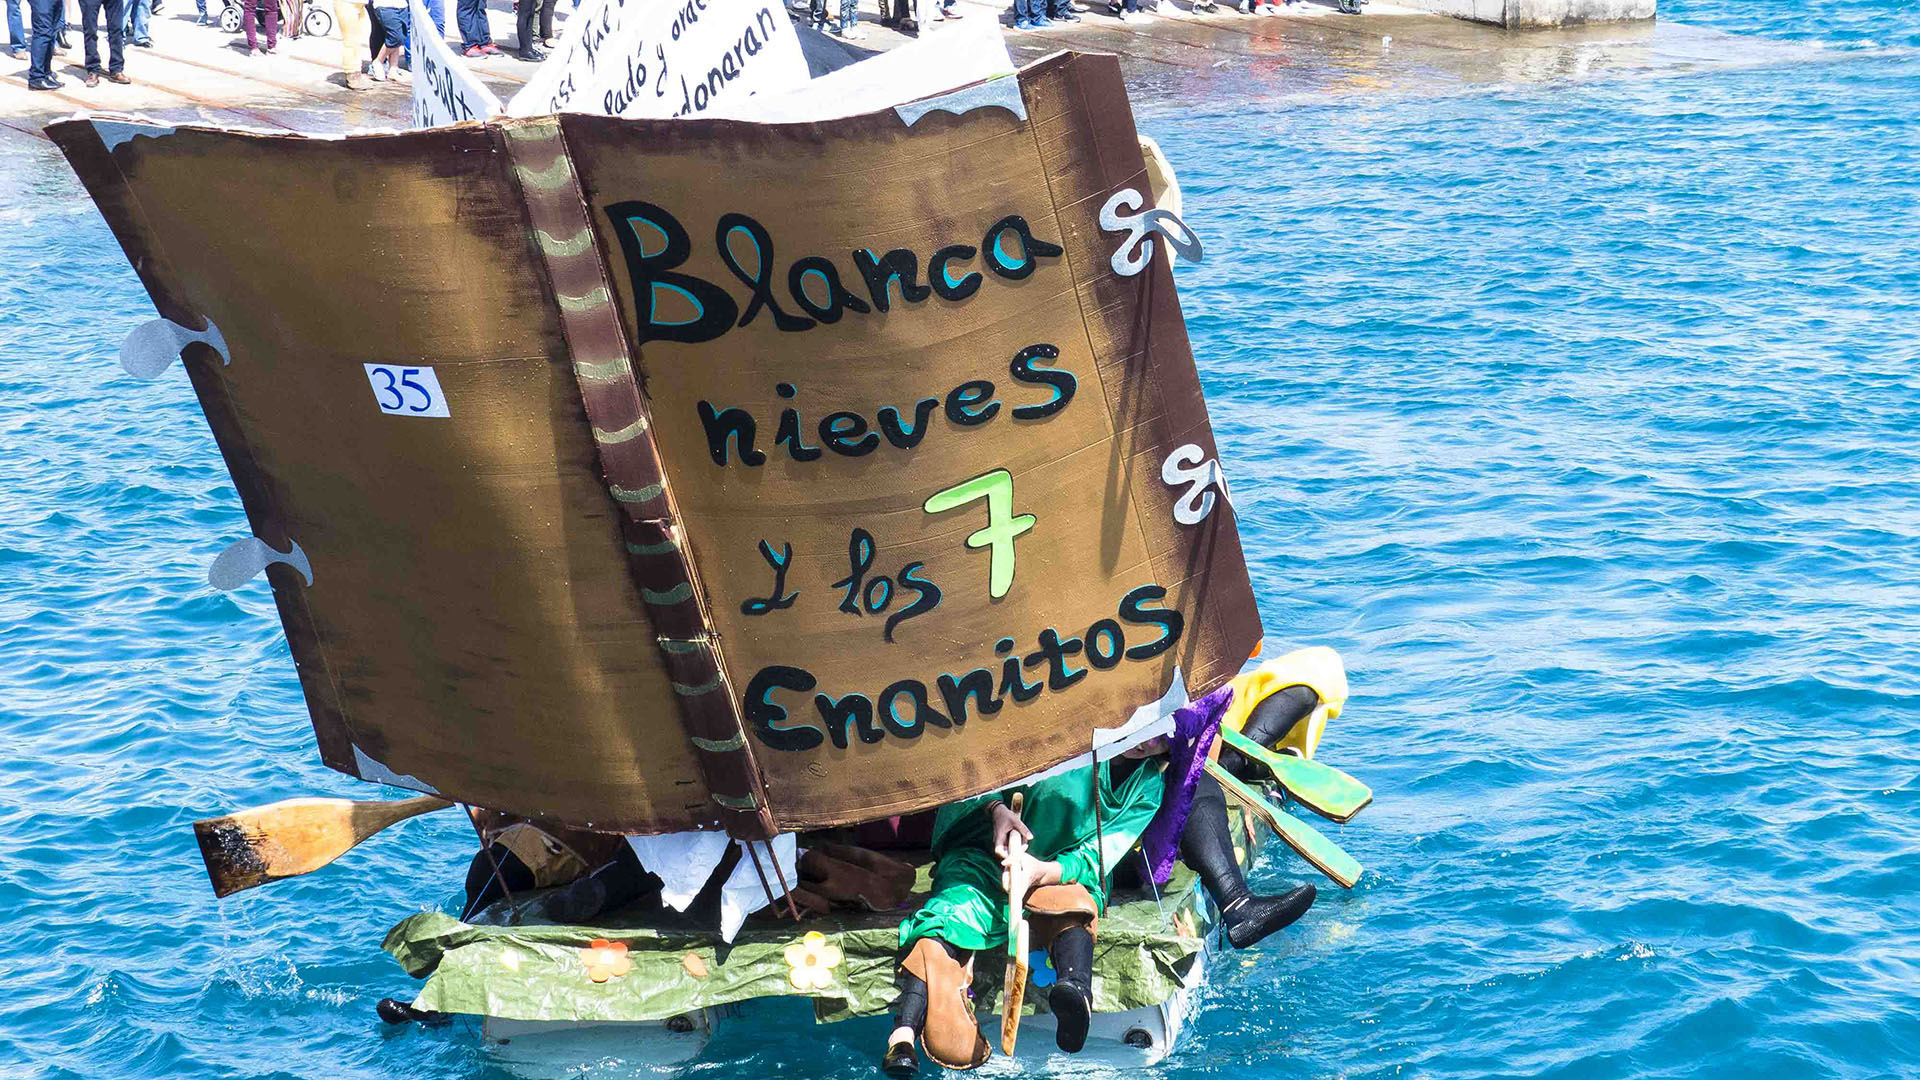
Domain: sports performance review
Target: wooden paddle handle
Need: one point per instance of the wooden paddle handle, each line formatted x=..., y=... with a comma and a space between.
x=298, y=836
x=1013, y=992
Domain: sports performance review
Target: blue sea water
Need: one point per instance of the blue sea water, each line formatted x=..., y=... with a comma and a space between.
x=1580, y=417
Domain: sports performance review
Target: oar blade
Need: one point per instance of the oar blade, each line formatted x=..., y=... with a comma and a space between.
x=1325, y=855
x=1319, y=787
x=1014, y=998
x=286, y=839
x=233, y=857
x=1306, y=841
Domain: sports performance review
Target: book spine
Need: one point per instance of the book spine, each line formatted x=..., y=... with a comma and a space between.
x=630, y=464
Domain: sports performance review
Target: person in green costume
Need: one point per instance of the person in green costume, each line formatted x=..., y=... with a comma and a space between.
x=1069, y=842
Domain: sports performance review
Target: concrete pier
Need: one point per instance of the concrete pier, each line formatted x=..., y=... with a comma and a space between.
x=1175, y=60
x=1538, y=14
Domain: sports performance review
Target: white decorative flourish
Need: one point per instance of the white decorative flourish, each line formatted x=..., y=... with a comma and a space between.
x=1190, y=465
x=1137, y=250
x=156, y=343
x=245, y=559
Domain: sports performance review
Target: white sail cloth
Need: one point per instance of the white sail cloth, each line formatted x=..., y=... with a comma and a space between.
x=685, y=861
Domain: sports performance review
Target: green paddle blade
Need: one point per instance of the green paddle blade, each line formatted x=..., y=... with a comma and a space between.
x=1324, y=854
x=1322, y=789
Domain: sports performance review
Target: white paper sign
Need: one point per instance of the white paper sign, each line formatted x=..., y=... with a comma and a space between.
x=656, y=59
x=406, y=391
x=444, y=90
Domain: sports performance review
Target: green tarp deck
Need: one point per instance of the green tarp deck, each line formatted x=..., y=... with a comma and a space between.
x=538, y=971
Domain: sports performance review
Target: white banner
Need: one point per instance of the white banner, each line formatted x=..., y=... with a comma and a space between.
x=444, y=90
x=665, y=58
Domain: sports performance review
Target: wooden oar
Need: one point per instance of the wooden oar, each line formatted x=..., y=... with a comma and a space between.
x=294, y=837
x=1324, y=854
x=1320, y=788
x=1013, y=990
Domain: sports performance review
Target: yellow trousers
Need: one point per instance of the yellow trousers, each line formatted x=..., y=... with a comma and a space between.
x=350, y=22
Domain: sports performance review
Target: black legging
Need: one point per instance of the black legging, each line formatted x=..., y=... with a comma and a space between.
x=623, y=879
x=525, y=12
x=484, y=886
x=1206, y=844
x=1272, y=720
x=910, y=1008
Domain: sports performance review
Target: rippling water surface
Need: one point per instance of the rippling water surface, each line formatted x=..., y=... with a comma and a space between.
x=1580, y=417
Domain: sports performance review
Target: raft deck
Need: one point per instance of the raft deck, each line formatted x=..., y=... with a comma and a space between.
x=537, y=971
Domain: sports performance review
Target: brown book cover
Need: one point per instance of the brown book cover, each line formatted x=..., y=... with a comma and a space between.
x=653, y=475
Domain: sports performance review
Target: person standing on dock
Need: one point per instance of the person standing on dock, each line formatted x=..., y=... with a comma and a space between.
x=352, y=17
x=395, y=23
x=138, y=30
x=269, y=10
x=476, y=37
x=437, y=11
x=17, y=39
x=525, y=12
x=90, y=12
x=849, y=28
x=46, y=15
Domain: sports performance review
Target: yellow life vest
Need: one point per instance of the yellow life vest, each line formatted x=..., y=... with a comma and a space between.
x=1316, y=667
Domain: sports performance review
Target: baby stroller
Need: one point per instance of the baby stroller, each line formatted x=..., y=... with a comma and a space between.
x=317, y=21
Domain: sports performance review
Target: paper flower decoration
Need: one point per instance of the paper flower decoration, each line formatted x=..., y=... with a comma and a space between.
x=811, y=961
x=1040, y=969
x=1184, y=922
x=605, y=959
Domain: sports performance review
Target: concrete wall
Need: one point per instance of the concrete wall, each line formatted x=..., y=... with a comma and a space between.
x=1525, y=14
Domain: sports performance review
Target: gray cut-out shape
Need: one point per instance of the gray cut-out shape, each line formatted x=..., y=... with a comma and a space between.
x=1138, y=247
x=1001, y=91
x=245, y=559
x=115, y=132
x=156, y=343
x=375, y=772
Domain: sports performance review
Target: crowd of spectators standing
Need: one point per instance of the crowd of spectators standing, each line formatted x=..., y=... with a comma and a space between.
x=375, y=35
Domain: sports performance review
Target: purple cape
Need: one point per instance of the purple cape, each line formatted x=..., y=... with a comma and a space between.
x=1194, y=726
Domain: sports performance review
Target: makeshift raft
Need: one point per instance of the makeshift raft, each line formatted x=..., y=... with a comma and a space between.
x=532, y=983
x=672, y=476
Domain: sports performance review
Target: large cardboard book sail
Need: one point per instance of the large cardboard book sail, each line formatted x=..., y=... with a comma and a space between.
x=653, y=475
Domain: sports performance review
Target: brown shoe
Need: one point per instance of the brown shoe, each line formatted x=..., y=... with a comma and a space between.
x=118, y=77
x=92, y=79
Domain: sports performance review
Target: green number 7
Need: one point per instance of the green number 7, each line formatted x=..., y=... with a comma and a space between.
x=1002, y=526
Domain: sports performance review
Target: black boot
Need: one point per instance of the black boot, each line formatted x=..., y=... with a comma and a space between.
x=1071, y=997
x=900, y=1061
x=1272, y=720
x=395, y=1011
x=910, y=1012
x=1206, y=844
x=1254, y=917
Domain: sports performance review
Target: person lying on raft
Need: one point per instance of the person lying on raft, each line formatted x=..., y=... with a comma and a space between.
x=1067, y=870
x=591, y=872
x=1269, y=706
